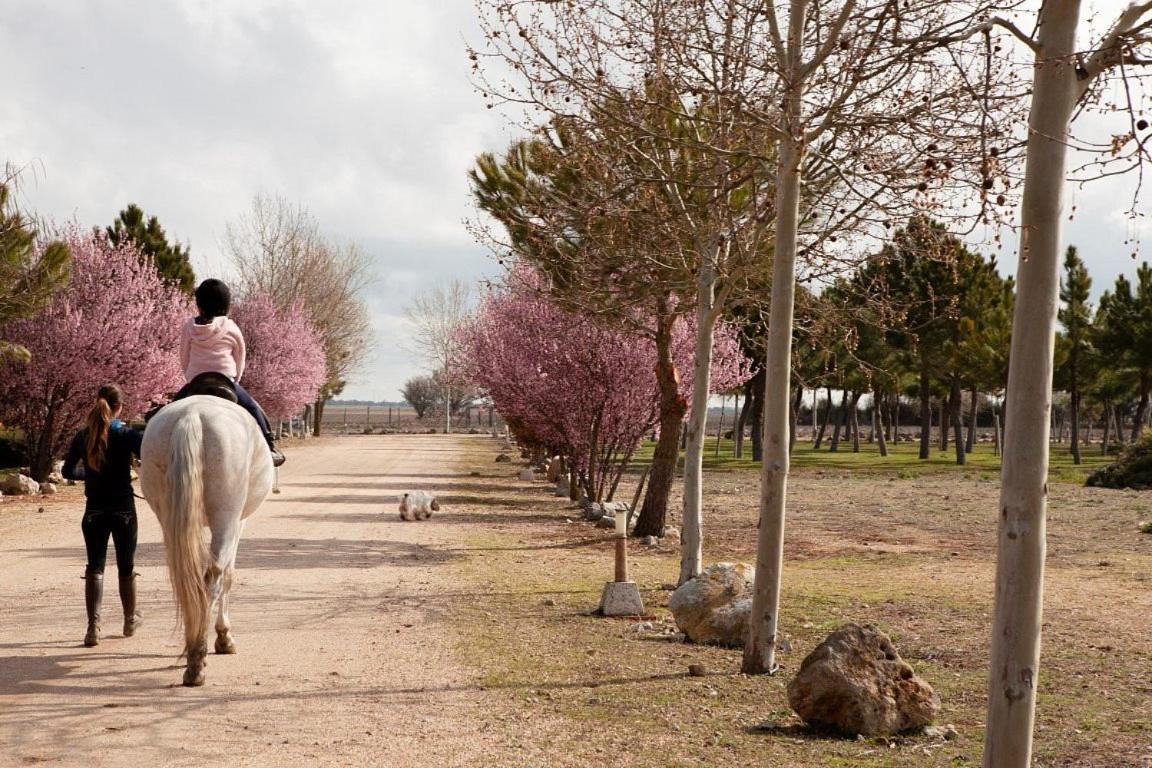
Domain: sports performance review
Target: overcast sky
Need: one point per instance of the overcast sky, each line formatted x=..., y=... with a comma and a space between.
x=361, y=110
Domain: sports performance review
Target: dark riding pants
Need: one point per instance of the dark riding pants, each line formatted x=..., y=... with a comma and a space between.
x=97, y=526
x=246, y=402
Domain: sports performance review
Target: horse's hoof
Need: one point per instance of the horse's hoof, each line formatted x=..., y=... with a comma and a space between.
x=193, y=678
x=225, y=645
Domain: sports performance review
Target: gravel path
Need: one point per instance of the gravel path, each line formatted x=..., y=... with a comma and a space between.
x=338, y=611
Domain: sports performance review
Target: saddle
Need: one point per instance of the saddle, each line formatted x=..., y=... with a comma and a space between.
x=208, y=383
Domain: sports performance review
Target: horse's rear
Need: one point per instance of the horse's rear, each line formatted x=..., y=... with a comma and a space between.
x=203, y=463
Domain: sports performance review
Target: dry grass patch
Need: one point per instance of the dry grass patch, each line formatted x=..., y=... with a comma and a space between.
x=913, y=555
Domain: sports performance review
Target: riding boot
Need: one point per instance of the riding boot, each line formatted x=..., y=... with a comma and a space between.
x=128, y=601
x=277, y=457
x=93, y=596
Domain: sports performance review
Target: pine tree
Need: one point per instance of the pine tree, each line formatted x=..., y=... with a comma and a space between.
x=29, y=275
x=1076, y=318
x=1124, y=327
x=171, y=260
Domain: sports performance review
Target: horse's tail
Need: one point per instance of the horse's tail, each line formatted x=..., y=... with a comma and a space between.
x=183, y=526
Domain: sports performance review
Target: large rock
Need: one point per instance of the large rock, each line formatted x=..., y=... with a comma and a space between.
x=16, y=484
x=592, y=511
x=714, y=607
x=856, y=683
x=617, y=507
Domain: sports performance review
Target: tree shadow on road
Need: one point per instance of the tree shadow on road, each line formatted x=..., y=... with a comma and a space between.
x=279, y=554
x=21, y=675
x=399, y=486
x=444, y=499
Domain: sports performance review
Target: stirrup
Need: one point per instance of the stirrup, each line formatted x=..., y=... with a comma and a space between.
x=278, y=458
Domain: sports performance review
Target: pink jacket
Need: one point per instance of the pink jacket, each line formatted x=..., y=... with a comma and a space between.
x=218, y=346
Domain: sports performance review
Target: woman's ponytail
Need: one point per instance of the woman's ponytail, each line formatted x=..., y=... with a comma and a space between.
x=99, y=421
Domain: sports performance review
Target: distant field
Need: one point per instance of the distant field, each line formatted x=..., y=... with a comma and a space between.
x=355, y=419
x=902, y=460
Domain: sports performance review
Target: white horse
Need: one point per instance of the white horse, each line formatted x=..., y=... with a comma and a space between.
x=203, y=463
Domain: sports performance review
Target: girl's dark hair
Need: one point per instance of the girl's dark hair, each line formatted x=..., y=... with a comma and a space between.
x=98, y=421
x=213, y=298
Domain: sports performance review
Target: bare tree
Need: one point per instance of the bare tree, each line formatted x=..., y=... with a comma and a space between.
x=437, y=315
x=1065, y=79
x=849, y=77
x=277, y=250
x=692, y=108
x=657, y=184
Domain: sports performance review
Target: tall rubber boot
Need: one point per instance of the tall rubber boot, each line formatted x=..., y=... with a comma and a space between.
x=128, y=601
x=93, y=597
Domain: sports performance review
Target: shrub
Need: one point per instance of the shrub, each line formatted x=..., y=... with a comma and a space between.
x=1133, y=468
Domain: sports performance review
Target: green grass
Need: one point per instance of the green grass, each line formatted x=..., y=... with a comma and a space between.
x=903, y=460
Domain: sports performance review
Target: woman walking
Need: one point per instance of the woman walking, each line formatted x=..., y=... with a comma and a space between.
x=101, y=456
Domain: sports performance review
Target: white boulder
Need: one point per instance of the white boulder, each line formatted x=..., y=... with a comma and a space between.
x=16, y=484
x=713, y=608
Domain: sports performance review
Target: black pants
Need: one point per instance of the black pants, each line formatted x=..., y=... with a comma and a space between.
x=97, y=526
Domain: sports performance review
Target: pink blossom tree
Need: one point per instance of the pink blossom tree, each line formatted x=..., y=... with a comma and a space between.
x=117, y=321
x=285, y=367
x=573, y=386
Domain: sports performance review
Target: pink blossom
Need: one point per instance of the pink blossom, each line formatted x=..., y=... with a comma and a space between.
x=285, y=367
x=116, y=322
x=571, y=385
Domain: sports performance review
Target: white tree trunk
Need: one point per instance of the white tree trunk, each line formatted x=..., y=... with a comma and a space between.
x=760, y=649
x=1024, y=480
x=447, y=409
x=692, y=535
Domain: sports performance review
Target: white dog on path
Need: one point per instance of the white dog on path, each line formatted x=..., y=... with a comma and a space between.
x=418, y=505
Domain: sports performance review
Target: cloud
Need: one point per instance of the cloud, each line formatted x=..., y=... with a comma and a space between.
x=363, y=112
x=360, y=110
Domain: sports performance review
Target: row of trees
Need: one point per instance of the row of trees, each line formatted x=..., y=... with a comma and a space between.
x=568, y=385
x=1106, y=355
x=681, y=153
x=108, y=306
x=908, y=323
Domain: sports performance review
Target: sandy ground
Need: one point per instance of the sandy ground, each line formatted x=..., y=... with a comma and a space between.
x=345, y=657
x=466, y=640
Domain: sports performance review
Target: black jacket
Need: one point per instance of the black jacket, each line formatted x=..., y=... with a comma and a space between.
x=110, y=489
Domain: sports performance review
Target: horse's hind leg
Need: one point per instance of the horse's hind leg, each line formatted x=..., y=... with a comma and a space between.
x=196, y=646
x=224, y=640
x=197, y=658
x=224, y=547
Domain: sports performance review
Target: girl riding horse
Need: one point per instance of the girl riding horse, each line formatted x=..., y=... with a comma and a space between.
x=212, y=342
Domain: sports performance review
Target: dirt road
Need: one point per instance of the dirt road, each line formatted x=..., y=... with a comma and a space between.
x=344, y=657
